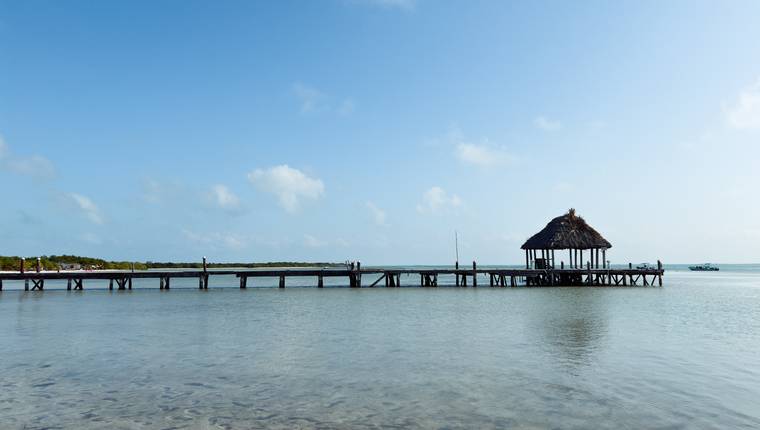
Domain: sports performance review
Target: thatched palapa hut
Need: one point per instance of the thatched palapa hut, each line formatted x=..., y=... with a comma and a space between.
x=569, y=232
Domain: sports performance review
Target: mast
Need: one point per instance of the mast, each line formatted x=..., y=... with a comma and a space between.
x=456, y=245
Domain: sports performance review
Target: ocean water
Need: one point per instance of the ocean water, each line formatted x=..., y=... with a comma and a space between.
x=686, y=355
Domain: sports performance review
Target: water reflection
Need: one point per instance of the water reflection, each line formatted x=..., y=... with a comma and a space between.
x=573, y=326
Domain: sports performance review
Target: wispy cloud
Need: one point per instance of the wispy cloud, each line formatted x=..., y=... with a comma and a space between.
x=288, y=184
x=33, y=166
x=87, y=207
x=744, y=114
x=436, y=199
x=224, y=198
x=378, y=215
x=547, y=124
x=484, y=155
x=312, y=100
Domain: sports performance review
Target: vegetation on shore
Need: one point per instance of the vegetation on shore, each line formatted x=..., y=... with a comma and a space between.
x=56, y=262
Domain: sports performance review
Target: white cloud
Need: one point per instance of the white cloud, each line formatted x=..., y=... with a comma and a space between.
x=226, y=240
x=224, y=198
x=88, y=207
x=377, y=214
x=745, y=114
x=546, y=124
x=33, y=166
x=437, y=199
x=312, y=100
x=288, y=184
x=485, y=155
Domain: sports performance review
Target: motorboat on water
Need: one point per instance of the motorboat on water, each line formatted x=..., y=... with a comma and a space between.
x=707, y=267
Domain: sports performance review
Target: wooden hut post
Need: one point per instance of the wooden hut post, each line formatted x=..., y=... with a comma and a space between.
x=527, y=260
x=552, y=259
x=604, y=258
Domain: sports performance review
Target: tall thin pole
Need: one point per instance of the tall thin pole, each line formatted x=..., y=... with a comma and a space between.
x=456, y=245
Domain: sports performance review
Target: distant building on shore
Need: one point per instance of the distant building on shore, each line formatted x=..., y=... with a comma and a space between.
x=70, y=266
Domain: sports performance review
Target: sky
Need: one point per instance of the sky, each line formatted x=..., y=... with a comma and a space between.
x=372, y=130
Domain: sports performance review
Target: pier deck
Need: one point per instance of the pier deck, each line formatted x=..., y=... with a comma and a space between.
x=493, y=277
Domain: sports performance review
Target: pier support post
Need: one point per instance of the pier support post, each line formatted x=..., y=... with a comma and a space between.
x=456, y=274
x=129, y=282
x=243, y=282
x=474, y=274
x=110, y=284
x=26, y=285
x=320, y=281
x=68, y=284
x=282, y=281
x=203, y=278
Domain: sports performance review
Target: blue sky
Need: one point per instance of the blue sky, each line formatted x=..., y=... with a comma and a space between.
x=372, y=129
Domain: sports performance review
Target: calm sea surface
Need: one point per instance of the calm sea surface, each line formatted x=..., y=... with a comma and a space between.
x=683, y=356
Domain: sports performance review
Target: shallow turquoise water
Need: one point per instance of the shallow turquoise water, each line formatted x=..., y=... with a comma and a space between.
x=683, y=356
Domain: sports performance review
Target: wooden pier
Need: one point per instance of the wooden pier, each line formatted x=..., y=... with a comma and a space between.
x=566, y=232
x=389, y=277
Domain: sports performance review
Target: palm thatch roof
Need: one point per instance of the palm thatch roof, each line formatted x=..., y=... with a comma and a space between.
x=568, y=231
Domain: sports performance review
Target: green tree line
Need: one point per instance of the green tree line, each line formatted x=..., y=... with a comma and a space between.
x=55, y=262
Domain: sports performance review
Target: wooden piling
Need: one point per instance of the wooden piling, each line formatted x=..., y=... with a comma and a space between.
x=282, y=281
x=474, y=274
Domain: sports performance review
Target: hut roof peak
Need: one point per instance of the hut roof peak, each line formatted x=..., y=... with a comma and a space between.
x=568, y=231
